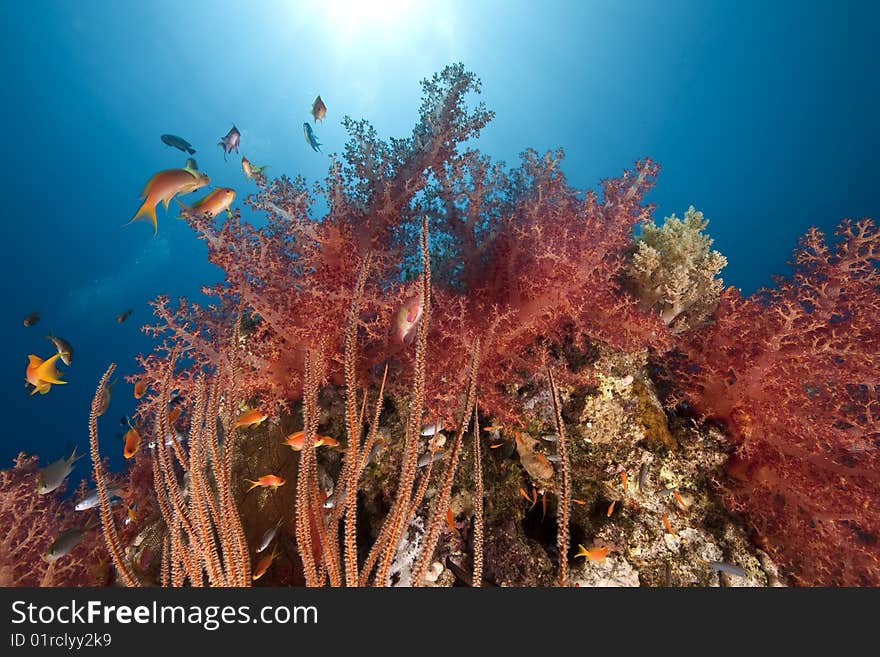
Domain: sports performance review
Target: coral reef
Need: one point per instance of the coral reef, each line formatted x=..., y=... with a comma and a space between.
x=518, y=312
x=674, y=272
x=521, y=259
x=792, y=372
x=31, y=522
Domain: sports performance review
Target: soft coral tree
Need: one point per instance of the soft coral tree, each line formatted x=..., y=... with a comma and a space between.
x=523, y=260
x=29, y=523
x=793, y=373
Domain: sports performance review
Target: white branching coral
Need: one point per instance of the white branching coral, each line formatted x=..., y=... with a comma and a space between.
x=674, y=272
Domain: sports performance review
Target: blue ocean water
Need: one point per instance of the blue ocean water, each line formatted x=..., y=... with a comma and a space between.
x=763, y=115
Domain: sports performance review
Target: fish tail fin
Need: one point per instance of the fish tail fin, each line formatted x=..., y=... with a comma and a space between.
x=191, y=151
x=253, y=484
x=146, y=211
x=47, y=372
x=73, y=458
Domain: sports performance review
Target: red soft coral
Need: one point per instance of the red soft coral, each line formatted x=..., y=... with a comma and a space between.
x=520, y=259
x=30, y=523
x=793, y=372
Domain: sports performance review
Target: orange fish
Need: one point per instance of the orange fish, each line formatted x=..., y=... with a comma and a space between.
x=41, y=374
x=163, y=187
x=264, y=564
x=623, y=480
x=123, y=316
x=213, y=204
x=680, y=501
x=450, y=521
x=140, y=388
x=495, y=446
x=494, y=427
x=130, y=515
x=132, y=441
x=31, y=319
x=611, y=508
x=266, y=481
x=319, y=109
x=174, y=414
x=593, y=554
x=296, y=441
x=250, y=418
x=576, y=501
x=668, y=526
x=251, y=170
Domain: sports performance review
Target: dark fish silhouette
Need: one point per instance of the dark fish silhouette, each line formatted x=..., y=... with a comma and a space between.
x=178, y=142
x=191, y=164
x=31, y=319
x=311, y=139
x=123, y=316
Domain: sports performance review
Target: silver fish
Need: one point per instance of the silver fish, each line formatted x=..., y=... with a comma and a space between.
x=63, y=347
x=91, y=500
x=330, y=502
x=432, y=429
x=729, y=568
x=66, y=542
x=550, y=437
x=554, y=458
x=230, y=142
x=429, y=457
x=169, y=441
x=268, y=536
x=54, y=474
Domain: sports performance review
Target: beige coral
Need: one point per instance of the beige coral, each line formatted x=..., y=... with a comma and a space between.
x=674, y=271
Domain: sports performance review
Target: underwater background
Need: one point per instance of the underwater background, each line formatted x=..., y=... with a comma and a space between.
x=762, y=115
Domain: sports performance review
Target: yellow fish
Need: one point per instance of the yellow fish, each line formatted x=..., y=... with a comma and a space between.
x=163, y=187
x=41, y=374
x=593, y=554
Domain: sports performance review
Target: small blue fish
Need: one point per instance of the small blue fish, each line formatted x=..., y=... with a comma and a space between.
x=311, y=139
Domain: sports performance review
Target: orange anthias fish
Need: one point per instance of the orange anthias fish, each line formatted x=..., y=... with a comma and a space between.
x=213, y=204
x=163, y=187
x=123, y=316
x=266, y=481
x=41, y=374
x=252, y=170
x=132, y=441
x=261, y=568
x=250, y=418
x=31, y=319
x=593, y=554
x=140, y=389
x=296, y=441
x=406, y=320
x=319, y=109
x=450, y=522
